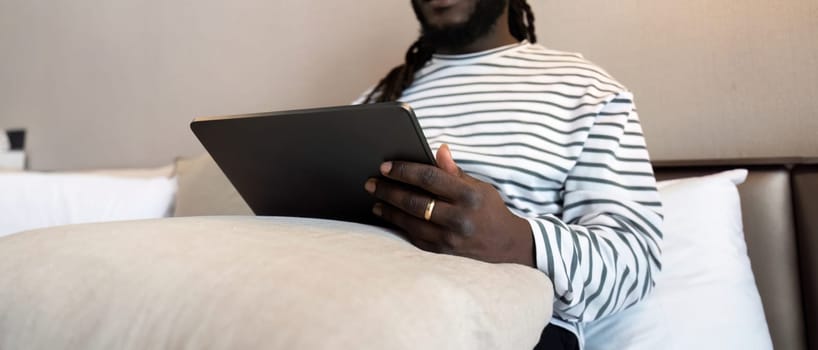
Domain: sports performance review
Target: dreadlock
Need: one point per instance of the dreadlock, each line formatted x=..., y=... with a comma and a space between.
x=390, y=88
x=521, y=21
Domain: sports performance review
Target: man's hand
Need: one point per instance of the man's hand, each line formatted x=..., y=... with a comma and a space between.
x=468, y=218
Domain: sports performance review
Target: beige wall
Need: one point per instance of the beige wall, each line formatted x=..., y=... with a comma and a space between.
x=713, y=78
x=115, y=83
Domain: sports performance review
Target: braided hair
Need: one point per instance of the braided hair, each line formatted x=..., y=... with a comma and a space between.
x=390, y=88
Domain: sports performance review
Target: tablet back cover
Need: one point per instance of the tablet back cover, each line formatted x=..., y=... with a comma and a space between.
x=312, y=163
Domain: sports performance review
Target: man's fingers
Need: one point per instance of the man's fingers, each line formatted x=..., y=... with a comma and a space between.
x=410, y=201
x=430, y=178
x=416, y=230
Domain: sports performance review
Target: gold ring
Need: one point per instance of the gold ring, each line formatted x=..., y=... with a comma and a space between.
x=427, y=215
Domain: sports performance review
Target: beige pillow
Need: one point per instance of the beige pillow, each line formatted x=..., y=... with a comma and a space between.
x=205, y=190
x=139, y=173
x=257, y=283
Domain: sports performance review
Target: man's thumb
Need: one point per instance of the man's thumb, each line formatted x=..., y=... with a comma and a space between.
x=445, y=160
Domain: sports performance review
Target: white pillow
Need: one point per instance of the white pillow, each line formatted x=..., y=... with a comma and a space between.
x=5, y=144
x=705, y=296
x=35, y=200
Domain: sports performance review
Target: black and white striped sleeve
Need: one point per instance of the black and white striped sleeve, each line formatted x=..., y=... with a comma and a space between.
x=603, y=250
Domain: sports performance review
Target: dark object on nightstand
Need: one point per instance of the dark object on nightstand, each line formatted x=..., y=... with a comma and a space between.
x=17, y=139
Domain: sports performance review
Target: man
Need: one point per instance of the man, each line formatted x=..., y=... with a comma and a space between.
x=541, y=161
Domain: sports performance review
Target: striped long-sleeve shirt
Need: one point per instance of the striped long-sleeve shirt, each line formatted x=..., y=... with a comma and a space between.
x=562, y=143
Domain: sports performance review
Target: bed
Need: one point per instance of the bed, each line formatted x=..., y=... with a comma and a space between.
x=205, y=281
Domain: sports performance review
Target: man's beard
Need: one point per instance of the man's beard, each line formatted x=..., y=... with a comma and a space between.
x=480, y=22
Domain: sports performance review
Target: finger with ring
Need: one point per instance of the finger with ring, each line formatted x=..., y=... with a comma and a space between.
x=427, y=215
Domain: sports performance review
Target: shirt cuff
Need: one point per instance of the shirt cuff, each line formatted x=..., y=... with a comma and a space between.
x=540, y=253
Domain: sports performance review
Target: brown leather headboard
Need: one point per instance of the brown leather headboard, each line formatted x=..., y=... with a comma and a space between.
x=805, y=199
x=779, y=207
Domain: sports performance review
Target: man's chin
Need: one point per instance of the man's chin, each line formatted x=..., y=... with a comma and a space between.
x=451, y=34
x=450, y=37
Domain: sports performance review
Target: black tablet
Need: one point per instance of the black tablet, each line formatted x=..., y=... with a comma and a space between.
x=312, y=162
